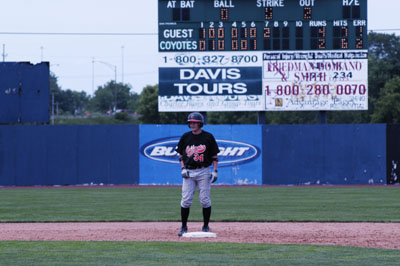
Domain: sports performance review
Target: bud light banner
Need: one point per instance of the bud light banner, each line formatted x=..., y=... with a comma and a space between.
x=239, y=156
x=210, y=89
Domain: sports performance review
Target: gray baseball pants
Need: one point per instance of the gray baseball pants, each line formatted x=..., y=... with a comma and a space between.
x=201, y=178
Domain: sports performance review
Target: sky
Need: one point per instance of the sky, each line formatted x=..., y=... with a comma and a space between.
x=82, y=63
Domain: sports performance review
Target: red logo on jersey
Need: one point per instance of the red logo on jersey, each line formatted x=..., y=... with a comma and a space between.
x=196, y=151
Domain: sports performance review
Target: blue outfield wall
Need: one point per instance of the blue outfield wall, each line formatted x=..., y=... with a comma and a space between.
x=324, y=154
x=68, y=155
x=284, y=154
x=145, y=154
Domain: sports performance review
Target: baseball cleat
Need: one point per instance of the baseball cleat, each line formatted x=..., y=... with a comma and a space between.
x=183, y=230
x=205, y=229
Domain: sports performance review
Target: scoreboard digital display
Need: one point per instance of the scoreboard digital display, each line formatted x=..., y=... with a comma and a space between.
x=267, y=25
x=255, y=55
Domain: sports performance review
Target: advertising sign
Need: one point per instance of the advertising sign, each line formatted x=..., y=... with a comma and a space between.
x=239, y=156
x=210, y=88
x=298, y=81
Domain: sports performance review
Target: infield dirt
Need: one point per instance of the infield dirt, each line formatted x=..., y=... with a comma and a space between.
x=372, y=235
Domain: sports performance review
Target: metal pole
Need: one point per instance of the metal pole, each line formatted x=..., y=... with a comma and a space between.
x=52, y=108
x=116, y=89
x=122, y=64
x=322, y=117
x=261, y=118
x=4, y=52
x=113, y=67
x=93, y=75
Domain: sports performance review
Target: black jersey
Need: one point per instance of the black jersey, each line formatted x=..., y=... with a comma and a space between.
x=197, y=150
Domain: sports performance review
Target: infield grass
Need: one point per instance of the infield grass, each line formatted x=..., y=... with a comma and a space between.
x=326, y=204
x=273, y=204
x=157, y=253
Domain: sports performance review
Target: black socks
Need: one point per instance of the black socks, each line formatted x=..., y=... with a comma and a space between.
x=184, y=216
x=206, y=215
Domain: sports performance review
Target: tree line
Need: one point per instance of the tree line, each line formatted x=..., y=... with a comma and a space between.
x=383, y=97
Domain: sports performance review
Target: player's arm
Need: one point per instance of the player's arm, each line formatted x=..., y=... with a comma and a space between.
x=215, y=162
x=181, y=161
x=214, y=174
x=184, y=171
x=180, y=151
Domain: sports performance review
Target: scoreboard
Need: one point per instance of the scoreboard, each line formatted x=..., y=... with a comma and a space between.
x=252, y=55
x=262, y=25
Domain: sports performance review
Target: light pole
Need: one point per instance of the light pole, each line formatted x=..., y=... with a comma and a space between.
x=4, y=53
x=93, y=75
x=122, y=64
x=113, y=67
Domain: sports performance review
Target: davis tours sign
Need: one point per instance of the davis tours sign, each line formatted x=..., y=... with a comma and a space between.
x=210, y=89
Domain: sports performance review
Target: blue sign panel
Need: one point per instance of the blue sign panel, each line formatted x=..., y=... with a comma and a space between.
x=210, y=81
x=24, y=92
x=9, y=93
x=239, y=157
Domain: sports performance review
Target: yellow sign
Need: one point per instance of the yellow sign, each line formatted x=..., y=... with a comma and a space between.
x=279, y=102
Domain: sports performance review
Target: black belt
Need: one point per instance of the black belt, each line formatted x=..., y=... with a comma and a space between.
x=190, y=167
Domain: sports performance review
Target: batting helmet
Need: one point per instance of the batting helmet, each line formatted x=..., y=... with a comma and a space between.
x=196, y=117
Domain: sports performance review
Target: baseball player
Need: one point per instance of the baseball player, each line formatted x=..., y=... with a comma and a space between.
x=197, y=152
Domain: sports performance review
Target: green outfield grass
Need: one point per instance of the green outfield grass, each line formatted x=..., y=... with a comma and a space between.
x=326, y=204
x=333, y=204
x=156, y=253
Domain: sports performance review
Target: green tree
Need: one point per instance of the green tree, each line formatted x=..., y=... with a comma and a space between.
x=148, y=102
x=349, y=117
x=53, y=80
x=55, y=89
x=291, y=117
x=383, y=64
x=72, y=102
x=387, y=107
x=232, y=118
x=133, y=102
x=109, y=96
x=66, y=101
x=384, y=60
x=173, y=117
x=148, y=109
